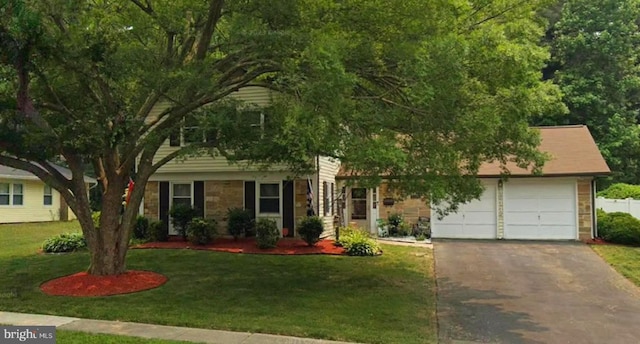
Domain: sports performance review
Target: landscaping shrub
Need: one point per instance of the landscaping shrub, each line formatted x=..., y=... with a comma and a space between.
x=141, y=228
x=357, y=242
x=201, y=231
x=240, y=222
x=67, y=242
x=344, y=233
x=267, y=233
x=619, y=228
x=404, y=229
x=394, y=221
x=310, y=228
x=621, y=191
x=181, y=215
x=422, y=229
x=158, y=231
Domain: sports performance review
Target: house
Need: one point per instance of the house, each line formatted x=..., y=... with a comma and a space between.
x=558, y=205
x=212, y=185
x=26, y=198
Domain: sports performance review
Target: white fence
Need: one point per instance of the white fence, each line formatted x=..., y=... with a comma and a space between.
x=628, y=205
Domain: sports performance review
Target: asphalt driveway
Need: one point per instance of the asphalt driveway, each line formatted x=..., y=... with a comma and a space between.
x=526, y=292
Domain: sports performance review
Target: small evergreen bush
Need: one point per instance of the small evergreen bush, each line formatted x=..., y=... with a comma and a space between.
x=201, y=231
x=67, y=242
x=310, y=228
x=181, y=215
x=267, y=233
x=619, y=228
x=240, y=222
x=158, y=231
x=141, y=228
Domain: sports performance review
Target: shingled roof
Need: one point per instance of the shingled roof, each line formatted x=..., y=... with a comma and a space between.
x=7, y=172
x=571, y=148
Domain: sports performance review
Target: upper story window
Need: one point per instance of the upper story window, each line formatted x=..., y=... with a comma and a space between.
x=11, y=194
x=251, y=122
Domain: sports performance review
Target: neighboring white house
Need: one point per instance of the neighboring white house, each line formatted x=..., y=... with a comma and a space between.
x=25, y=198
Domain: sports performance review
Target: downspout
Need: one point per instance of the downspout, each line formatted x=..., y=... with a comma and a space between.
x=594, y=211
x=318, y=185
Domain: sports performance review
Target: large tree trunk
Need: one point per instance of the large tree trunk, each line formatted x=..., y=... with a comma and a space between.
x=108, y=243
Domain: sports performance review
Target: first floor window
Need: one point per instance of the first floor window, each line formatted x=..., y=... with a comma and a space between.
x=181, y=194
x=48, y=195
x=17, y=194
x=270, y=198
x=5, y=194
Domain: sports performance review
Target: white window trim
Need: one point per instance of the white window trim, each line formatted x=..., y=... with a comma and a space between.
x=171, y=184
x=12, y=193
x=258, y=210
x=45, y=195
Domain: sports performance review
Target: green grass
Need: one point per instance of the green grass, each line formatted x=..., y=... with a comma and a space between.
x=26, y=238
x=73, y=337
x=386, y=299
x=626, y=260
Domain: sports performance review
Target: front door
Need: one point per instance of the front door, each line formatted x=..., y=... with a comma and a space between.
x=359, y=207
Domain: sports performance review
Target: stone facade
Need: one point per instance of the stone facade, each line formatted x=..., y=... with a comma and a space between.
x=411, y=208
x=152, y=200
x=584, y=209
x=221, y=195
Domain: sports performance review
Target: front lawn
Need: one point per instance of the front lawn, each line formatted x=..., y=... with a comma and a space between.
x=626, y=260
x=73, y=337
x=26, y=238
x=386, y=299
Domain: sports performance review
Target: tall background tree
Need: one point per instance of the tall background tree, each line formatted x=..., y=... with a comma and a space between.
x=412, y=90
x=595, y=46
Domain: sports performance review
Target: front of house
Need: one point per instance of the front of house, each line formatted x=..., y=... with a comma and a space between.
x=559, y=205
x=213, y=185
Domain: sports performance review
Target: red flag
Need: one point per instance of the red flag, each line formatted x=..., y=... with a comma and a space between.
x=130, y=189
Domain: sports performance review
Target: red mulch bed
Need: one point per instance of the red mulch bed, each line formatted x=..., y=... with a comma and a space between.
x=83, y=284
x=286, y=246
x=597, y=241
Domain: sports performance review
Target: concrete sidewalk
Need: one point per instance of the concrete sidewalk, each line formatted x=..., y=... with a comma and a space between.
x=153, y=331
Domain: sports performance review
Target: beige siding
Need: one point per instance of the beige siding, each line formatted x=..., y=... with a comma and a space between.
x=32, y=208
x=327, y=170
x=251, y=95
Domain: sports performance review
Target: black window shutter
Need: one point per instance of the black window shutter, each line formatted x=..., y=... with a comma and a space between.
x=174, y=137
x=198, y=197
x=164, y=204
x=250, y=197
x=333, y=199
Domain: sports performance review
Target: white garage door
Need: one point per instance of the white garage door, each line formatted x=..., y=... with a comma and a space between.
x=474, y=220
x=540, y=210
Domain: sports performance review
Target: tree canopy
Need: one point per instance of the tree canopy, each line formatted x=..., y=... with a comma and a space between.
x=421, y=92
x=595, y=58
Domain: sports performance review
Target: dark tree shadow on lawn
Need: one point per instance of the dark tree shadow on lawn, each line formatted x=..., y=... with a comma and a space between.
x=466, y=314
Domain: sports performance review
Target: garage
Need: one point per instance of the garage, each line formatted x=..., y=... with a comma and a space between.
x=474, y=220
x=540, y=210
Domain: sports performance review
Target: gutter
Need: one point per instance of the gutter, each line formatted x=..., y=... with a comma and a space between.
x=594, y=211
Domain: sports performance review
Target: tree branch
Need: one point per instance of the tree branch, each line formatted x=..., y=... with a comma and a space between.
x=147, y=8
x=56, y=181
x=213, y=16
